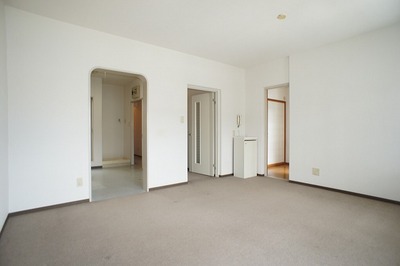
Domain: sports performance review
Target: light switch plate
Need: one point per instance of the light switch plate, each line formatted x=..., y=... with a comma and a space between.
x=315, y=171
x=79, y=182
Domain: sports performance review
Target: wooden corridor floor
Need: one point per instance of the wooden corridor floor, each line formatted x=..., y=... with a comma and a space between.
x=279, y=171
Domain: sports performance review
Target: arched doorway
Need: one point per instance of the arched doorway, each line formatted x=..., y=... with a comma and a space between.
x=118, y=168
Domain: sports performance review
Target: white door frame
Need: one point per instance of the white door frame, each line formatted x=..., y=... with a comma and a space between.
x=265, y=120
x=217, y=125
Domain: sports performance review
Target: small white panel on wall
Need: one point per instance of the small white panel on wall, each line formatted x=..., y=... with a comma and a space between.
x=136, y=93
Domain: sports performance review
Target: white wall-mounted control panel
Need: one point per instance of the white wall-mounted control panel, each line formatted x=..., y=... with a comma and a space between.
x=136, y=93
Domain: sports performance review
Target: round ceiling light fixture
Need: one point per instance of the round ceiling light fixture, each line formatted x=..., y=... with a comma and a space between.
x=281, y=17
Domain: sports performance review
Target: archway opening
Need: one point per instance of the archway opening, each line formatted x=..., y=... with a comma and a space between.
x=118, y=134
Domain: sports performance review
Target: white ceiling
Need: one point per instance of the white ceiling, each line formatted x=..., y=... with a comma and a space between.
x=237, y=32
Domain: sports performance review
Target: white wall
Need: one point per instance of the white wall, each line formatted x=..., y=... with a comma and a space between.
x=345, y=115
x=133, y=113
x=113, y=122
x=281, y=94
x=258, y=78
x=97, y=122
x=49, y=119
x=3, y=122
x=118, y=106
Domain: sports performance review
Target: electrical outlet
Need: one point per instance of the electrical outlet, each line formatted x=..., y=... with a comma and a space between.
x=315, y=171
x=79, y=182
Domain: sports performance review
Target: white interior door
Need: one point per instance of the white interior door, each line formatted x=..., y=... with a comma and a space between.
x=276, y=132
x=202, y=134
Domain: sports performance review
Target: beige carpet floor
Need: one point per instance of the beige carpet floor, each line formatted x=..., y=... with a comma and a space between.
x=225, y=221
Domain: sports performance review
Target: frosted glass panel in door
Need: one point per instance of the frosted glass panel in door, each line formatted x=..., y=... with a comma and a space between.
x=202, y=134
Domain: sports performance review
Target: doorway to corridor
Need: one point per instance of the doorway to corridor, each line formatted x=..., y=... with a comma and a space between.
x=118, y=134
x=277, y=105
